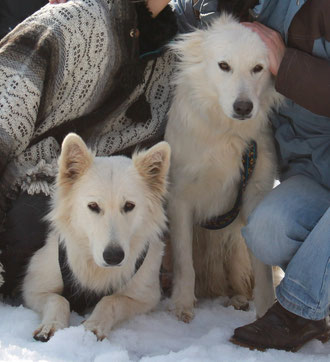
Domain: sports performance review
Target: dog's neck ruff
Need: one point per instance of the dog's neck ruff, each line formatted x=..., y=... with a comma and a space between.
x=249, y=160
x=79, y=297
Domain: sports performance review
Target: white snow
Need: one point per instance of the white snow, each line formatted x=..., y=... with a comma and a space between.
x=156, y=337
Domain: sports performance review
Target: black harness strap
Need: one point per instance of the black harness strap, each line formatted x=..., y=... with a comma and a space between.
x=249, y=161
x=81, y=298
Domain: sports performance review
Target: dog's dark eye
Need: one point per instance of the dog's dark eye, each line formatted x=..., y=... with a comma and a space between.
x=257, y=69
x=224, y=66
x=93, y=206
x=129, y=206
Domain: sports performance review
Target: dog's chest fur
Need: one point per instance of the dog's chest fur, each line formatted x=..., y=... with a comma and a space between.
x=210, y=173
x=80, y=298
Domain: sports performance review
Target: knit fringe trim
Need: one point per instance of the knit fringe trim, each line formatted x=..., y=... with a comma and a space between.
x=39, y=179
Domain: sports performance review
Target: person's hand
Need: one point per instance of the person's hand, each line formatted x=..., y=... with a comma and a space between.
x=156, y=6
x=57, y=1
x=273, y=41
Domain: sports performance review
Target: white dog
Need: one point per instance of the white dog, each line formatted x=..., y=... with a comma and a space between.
x=105, y=244
x=223, y=93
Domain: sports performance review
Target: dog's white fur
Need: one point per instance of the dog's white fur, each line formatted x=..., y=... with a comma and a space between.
x=207, y=141
x=110, y=182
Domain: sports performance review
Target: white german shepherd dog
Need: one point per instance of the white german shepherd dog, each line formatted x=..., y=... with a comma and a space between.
x=107, y=216
x=223, y=94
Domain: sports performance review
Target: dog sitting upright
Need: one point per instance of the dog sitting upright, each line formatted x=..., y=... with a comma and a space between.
x=223, y=163
x=105, y=245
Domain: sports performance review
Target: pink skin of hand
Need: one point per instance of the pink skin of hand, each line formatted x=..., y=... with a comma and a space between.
x=57, y=1
x=274, y=43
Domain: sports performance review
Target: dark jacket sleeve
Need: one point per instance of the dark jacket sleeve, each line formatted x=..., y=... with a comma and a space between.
x=305, y=79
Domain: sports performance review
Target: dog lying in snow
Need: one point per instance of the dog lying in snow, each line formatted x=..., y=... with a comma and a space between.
x=105, y=245
x=223, y=163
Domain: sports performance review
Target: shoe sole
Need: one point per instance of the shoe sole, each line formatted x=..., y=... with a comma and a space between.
x=323, y=338
x=249, y=346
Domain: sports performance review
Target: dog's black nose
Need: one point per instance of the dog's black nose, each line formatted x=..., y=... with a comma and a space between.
x=242, y=107
x=113, y=255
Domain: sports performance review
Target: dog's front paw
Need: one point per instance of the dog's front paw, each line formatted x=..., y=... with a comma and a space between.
x=46, y=330
x=184, y=313
x=182, y=304
x=239, y=302
x=99, y=328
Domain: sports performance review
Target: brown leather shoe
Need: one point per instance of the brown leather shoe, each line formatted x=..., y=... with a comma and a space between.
x=281, y=329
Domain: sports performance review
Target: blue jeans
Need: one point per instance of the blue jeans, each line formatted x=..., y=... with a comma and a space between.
x=291, y=228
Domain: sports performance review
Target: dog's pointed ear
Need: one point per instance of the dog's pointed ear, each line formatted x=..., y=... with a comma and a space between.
x=153, y=165
x=74, y=160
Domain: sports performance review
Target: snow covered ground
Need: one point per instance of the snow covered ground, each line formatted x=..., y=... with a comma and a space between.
x=155, y=337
